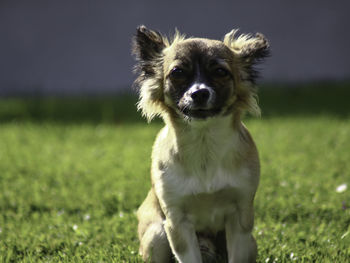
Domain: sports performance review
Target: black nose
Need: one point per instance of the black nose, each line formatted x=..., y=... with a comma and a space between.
x=200, y=96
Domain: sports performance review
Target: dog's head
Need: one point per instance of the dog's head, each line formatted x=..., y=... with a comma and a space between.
x=195, y=78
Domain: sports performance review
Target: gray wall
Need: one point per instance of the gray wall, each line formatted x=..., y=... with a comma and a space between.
x=80, y=46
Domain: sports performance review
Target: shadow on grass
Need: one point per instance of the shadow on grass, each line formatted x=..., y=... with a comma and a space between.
x=305, y=100
x=90, y=109
x=275, y=101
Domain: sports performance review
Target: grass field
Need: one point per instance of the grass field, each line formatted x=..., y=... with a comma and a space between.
x=74, y=170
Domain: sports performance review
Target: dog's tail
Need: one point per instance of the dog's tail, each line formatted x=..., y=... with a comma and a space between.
x=208, y=249
x=213, y=248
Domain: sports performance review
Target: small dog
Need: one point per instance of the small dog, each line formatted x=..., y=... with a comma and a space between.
x=205, y=166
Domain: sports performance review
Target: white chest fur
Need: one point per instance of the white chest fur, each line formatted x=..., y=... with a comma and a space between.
x=203, y=199
x=202, y=181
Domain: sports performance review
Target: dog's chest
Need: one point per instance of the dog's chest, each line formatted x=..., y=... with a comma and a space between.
x=205, y=198
x=205, y=178
x=207, y=211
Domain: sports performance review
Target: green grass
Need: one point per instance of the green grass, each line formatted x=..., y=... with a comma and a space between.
x=74, y=170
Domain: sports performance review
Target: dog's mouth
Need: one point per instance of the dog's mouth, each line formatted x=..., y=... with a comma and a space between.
x=200, y=113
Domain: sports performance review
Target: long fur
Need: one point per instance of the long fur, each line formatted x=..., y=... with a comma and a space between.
x=249, y=51
x=204, y=172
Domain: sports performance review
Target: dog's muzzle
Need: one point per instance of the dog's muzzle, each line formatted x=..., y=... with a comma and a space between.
x=199, y=102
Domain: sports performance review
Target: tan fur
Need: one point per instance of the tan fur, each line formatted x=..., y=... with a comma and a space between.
x=204, y=172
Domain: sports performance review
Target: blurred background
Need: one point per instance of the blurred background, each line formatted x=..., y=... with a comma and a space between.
x=83, y=47
x=75, y=153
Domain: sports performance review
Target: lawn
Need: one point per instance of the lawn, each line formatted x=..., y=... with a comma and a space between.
x=74, y=170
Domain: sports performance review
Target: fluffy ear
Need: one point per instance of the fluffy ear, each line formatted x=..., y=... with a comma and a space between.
x=147, y=46
x=250, y=50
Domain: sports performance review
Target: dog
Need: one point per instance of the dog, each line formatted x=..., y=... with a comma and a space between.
x=205, y=165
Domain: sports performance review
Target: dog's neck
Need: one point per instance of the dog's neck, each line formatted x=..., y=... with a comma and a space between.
x=184, y=127
x=201, y=142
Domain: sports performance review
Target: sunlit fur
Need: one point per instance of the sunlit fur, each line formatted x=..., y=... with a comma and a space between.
x=248, y=50
x=205, y=170
x=151, y=101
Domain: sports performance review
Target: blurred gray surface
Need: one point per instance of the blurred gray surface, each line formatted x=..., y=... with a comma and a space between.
x=83, y=47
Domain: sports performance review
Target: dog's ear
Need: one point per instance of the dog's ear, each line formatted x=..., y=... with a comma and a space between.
x=147, y=46
x=250, y=50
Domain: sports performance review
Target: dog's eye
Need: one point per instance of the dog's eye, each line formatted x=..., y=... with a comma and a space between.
x=220, y=73
x=177, y=73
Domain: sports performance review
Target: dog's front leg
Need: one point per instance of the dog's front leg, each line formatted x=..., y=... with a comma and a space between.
x=241, y=245
x=183, y=241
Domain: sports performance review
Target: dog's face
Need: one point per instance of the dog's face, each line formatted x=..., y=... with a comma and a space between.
x=195, y=78
x=198, y=78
